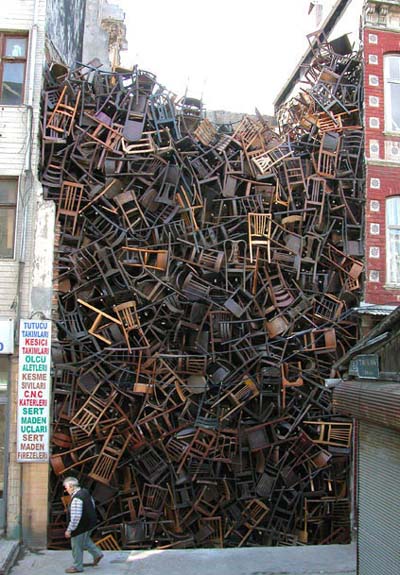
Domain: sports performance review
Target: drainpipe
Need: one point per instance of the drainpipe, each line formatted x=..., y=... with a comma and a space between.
x=32, y=52
x=26, y=189
x=28, y=180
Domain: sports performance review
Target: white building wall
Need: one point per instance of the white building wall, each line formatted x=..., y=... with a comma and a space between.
x=25, y=281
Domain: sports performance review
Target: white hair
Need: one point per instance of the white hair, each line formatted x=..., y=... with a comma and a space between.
x=71, y=481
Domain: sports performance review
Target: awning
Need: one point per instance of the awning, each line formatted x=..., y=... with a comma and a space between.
x=376, y=402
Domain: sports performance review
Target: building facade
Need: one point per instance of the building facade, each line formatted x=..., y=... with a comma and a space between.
x=381, y=35
x=25, y=249
x=31, y=32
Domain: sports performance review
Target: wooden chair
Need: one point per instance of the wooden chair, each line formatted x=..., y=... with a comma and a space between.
x=238, y=396
x=267, y=161
x=332, y=433
x=130, y=209
x=251, y=517
x=150, y=465
x=69, y=205
x=145, y=375
x=259, y=231
x=326, y=160
x=200, y=446
x=205, y=132
x=294, y=173
x=91, y=412
x=320, y=340
x=64, y=461
x=328, y=308
x=194, y=287
x=130, y=322
x=145, y=145
x=287, y=370
x=210, y=532
x=278, y=289
x=152, y=501
x=221, y=328
x=98, y=326
x=235, y=264
x=248, y=132
x=61, y=120
x=109, y=457
x=104, y=132
x=349, y=268
x=162, y=106
x=53, y=171
x=145, y=258
x=316, y=190
x=108, y=543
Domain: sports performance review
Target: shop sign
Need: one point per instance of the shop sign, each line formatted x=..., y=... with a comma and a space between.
x=365, y=366
x=33, y=422
x=6, y=336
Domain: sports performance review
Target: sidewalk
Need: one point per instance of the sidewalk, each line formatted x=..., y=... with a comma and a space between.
x=323, y=560
x=8, y=554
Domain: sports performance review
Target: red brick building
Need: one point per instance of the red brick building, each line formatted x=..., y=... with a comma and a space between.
x=381, y=39
x=380, y=36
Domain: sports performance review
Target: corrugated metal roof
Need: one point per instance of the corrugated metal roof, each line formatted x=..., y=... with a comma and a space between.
x=375, y=309
x=371, y=401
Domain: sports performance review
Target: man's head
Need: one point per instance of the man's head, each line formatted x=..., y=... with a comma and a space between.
x=70, y=484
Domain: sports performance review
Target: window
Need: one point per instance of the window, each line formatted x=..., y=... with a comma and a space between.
x=393, y=240
x=12, y=68
x=8, y=210
x=392, y=93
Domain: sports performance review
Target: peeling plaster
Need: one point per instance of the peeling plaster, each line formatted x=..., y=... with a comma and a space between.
x=65, y=27
x=42, y=267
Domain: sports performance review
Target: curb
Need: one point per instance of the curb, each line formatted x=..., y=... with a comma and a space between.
x=8, y=554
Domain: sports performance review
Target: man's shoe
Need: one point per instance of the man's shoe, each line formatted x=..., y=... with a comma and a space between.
x=97, y=560
x=73, y=570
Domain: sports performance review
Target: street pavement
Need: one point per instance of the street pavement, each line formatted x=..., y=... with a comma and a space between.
x=305, y=560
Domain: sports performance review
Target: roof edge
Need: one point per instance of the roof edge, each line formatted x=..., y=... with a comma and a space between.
x=326, y=27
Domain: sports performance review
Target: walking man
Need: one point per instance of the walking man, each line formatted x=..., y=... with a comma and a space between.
x=82, y=520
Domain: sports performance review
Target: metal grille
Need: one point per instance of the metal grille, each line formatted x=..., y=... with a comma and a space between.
x=379, y=517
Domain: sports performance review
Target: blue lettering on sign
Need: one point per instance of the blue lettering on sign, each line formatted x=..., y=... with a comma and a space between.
x=1, y=346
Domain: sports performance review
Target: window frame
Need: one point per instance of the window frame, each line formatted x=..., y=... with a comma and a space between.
x=6, y=206
x=14, y=59
x=389, y=228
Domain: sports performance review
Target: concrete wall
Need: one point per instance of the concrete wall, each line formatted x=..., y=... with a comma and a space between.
x=224, y=117
x=95, y=44
x=104, y=32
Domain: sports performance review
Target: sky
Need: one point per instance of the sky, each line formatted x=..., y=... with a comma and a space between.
x=234, y=54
